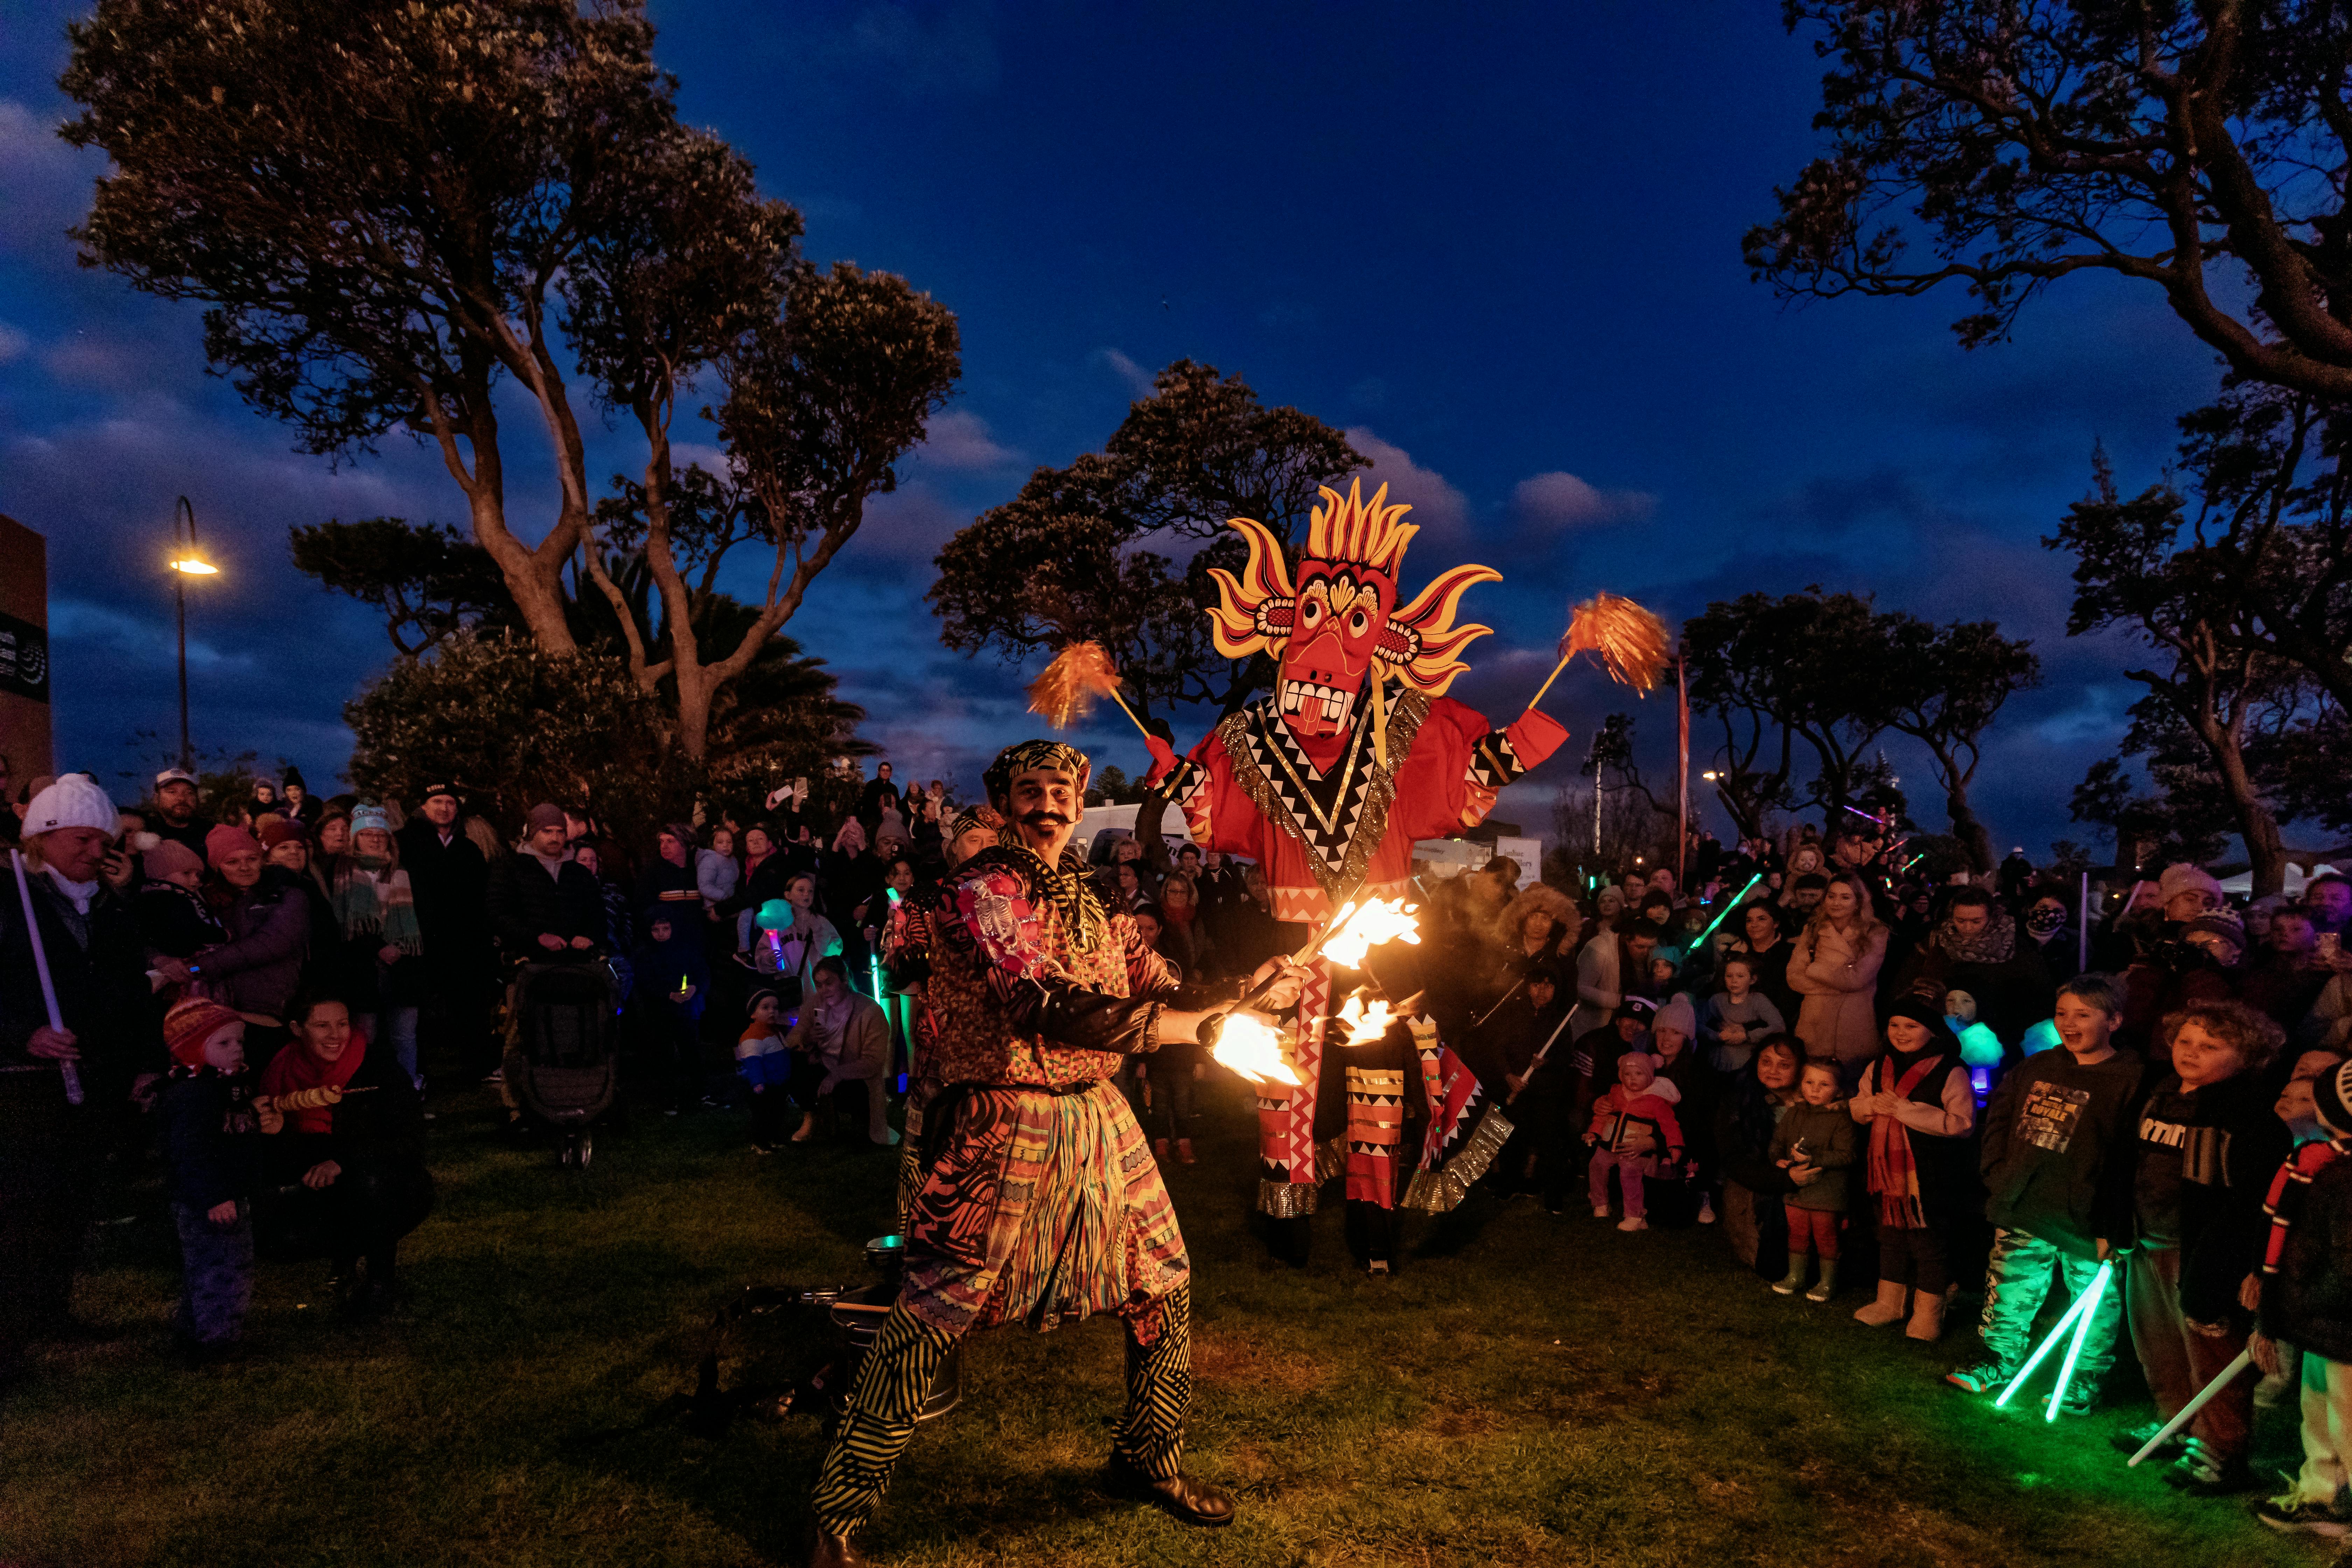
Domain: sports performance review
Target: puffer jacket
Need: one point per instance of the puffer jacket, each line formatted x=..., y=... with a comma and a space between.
x=259, y=968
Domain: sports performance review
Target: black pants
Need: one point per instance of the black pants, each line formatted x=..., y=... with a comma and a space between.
x=362, y=1213
x=846, y=1098
x=771, y=1108
x=51, y=1158
x=1914, y=1257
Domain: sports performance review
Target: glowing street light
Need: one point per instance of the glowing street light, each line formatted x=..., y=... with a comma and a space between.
x=188, y=562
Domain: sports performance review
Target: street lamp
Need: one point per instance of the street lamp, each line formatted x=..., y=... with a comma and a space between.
x=188, y=563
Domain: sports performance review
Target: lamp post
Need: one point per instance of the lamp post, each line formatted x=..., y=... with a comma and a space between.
x=188, y=564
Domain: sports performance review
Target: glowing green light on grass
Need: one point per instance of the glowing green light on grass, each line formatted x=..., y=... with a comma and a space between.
x=2079, y=1312
x=2082, y=1332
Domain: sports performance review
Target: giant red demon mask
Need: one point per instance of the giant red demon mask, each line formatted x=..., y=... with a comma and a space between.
x=1342, y=624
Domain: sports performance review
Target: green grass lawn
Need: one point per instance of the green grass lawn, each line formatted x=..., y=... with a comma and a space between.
x=1529, y=1390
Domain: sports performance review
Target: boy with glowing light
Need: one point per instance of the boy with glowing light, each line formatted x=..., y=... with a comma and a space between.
x=2057, y=1169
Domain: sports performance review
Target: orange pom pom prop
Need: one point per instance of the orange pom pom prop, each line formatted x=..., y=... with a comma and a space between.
x=1628, y=642
x=1079, y=675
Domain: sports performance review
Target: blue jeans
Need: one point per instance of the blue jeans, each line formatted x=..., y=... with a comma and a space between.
x=399, y=1033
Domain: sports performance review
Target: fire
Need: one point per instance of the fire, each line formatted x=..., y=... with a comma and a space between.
x=1250, y=1047
x=1364, y=1024
x=1357, y=929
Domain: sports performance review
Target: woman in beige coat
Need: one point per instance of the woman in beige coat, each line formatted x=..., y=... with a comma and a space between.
x=1835, y=971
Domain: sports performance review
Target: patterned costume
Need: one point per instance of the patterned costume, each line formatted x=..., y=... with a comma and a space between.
x=1328, y=782
x=1038, y=1199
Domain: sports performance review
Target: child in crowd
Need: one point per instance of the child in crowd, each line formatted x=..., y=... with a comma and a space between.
x=2314, y=1150
x=1630, y=1124
x=212, y=1149
x=1920, y=1108
x=1737, y=1017
x=173, y=918
x=2057, y=1167
x=2305, y=1299
x=2207, y=1147
x=1674, y=1048
x=766, y=1069
x=1815, y=1143
x=671, y=976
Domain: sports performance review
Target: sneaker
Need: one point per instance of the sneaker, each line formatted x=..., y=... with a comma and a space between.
x=1986, y=1377
x=2081, y=1398
x=2202, y=1473
x=1632, y=1222
x=1705, y=1212
x=2289, y=1517
x=2132, y=1439
x=1601, y=1210
x=764, y=1148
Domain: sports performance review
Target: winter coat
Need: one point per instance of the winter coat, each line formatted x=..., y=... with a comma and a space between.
x=1833, y=1145
x=526, y=901
x=716, y=876
x=381, y=1130
x=2056, y=1151
x=675, y=888
x=1836, y=978
x=212, y=1142
x=1939, y=1119
x=1755, y=1013
x=1636, y=1125
x=260, y=967
x=97, y=963
x=1745, y=1118
x=1772, y=970
x=2210, y=1153
x=1999, y=966
x=175, y=922
x=2308, y=1302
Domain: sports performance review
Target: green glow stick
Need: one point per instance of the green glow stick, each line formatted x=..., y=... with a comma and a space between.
x=2082, y=1332
x=2041, y=1352
x=1727, y=910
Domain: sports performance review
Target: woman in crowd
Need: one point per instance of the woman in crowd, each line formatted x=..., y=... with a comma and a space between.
x=842, y=1055
x=379, y=943
x=268, y=918
x=1836, y=969
x=346, y=1179
x=1762, y=942
x=1184, y=941
x=765, y=866
x=1915, y=1100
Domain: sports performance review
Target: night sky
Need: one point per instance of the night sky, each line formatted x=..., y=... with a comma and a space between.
x=1498, y=245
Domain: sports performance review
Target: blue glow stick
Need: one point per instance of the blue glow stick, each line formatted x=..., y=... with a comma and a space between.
x=2082, y=1332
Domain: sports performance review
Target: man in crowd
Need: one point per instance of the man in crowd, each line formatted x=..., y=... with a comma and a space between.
x=175, y=816
x=63, y=1090
x=544, y=904
x=451, y=881
x=2329, y=899
x=1041, y=995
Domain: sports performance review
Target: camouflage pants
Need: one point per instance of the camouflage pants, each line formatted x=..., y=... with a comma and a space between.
x=216, y=1264
x=2017, y=1282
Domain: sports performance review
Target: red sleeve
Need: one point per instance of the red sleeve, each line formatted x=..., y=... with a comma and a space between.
x=1459, y=761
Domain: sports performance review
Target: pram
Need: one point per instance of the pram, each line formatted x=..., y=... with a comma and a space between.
x=561, y=1061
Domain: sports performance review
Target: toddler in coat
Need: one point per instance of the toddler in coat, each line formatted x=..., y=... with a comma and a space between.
x=766, y=1069
x=210, y=1143
x=1816, y=1142
x=1632, y=1125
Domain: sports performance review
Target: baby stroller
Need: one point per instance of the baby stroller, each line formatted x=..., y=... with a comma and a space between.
x=561, y=1060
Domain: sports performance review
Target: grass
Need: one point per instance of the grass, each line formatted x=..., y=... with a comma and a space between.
x=1528, y=1391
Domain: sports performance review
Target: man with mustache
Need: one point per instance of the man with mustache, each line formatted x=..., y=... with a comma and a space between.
x=1039, y=1200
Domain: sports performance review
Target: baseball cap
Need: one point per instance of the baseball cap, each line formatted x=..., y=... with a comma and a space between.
x=174, y=775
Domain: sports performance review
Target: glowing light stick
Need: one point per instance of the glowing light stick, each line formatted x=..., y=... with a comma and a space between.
x=1249, y=1045
x=2041, y=1352
x=1725, y=910
x=2189, y=1411
x=71, y=1074
x=2082, y=1332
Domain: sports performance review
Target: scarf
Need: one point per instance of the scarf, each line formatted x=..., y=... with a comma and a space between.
x=1997, y=943
x=295, y=1068
x=1893, y=1168
x=385, y=910
x=2284, y=1203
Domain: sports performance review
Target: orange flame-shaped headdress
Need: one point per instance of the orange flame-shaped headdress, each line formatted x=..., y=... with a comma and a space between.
x=1360, y=543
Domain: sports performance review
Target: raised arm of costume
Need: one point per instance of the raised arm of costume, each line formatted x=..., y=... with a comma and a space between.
x=1459, y=761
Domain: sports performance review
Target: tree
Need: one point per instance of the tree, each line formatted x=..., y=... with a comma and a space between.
x=394, y=209
x=1735, y=678
x=1078, y=553
x=426, y=581
x=2197, y=148
x=2149, y=829
x=2220, y=710
x=1943, y=686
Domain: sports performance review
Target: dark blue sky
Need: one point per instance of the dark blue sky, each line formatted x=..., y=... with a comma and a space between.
x=1499, y=245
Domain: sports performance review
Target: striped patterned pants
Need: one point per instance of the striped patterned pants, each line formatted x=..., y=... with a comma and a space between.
x=897, y=1376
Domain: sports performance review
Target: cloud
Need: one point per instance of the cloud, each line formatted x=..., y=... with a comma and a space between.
x=959, y=440
x=1138, y=379
x=1436, y=505
x=13, y=344
x=929, y=49
x=44, y=185
x=1563, y=500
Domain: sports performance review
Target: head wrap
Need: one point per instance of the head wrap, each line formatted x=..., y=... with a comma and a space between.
x=980, y=815
x=73, y=800
x=187, y=1026
x=225, y=841
x=1030, y=756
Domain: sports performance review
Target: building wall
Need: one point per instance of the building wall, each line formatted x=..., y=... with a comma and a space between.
x=25, y=733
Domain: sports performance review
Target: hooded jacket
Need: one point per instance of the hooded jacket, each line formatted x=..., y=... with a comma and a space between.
x=2057, y=1150
x=2204, y=1159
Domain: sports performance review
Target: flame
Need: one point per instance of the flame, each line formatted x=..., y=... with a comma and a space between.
x=1079, y=674
x=1363, y=1025
x=1249, y=1045
x=1629, y=643
x=1357, y=929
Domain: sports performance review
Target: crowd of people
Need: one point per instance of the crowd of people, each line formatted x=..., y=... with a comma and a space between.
x=1957, y=1088
x=1830, y=1063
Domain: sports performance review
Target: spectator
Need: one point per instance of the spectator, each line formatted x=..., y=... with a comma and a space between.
x=175, y=920
x=450, y=878
x=1976, y=949
x=380, y=943
x=2329, y=896
x=2048, y=927
x=1762, y=939
x=346, y=1179
x=175, y=816
x=2286, y=976
x=1603, y=971
x=268, y=917
x=1835, y=970
x=2184, y=962
x=717, y=875
x=2057, y=1163
x=544, y=905
x=52, y=1150
x=1737, y=1016
x=1184, y=942
x=766, y=1069
x=2207, y=1146
x=285, y=846
x=210, y=1135
x=1917, y=1102
x=667, y=1013
x=1814, y=1145
x=879, y=799
x=299, y=805
x=620, y=926
x=842, y=1047
x=669, y=878
x=1635, y=1134
x=1754, y=1188
x=791, y=950
x=2307, y=1305
x=765, y=866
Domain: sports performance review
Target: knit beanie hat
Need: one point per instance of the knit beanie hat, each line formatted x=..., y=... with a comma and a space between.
x=751, y=1004
x=547, y=814
x=169, y=858
x=2182, y=878
x=2331, y=1097
x=72, y=800
x=1920, y=1010
x=188, y=1026
x=366, y=817
x=293, y=777
x=1679, y=1016
x=225, y=841
x=277, y=830
x=2223, y=923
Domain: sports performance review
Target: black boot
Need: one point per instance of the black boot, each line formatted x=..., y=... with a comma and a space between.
x=1188, y=1499
x=827, y=1550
